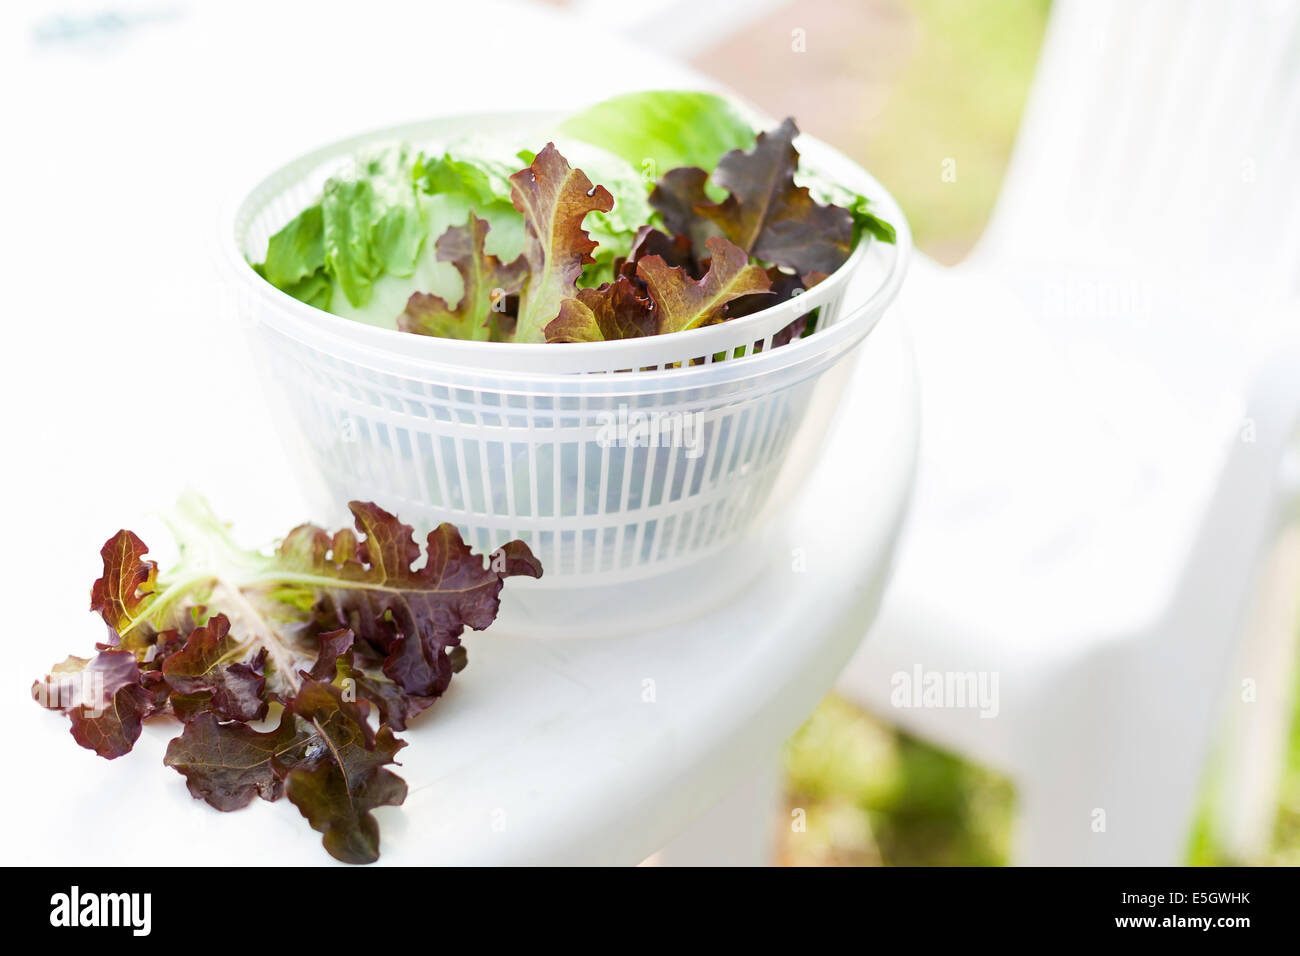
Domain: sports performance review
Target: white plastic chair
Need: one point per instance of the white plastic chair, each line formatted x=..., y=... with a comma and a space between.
x=1110, y=401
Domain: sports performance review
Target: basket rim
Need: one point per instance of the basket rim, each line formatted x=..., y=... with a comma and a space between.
x=315, y=326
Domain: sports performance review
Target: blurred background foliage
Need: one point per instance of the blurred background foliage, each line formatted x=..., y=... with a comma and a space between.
x=903, y=86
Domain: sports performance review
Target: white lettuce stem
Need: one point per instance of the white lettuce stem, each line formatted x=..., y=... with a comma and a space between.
x=246, y=618
x=215, y=570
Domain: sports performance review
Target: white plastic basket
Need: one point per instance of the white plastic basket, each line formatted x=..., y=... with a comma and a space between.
x=512, y=440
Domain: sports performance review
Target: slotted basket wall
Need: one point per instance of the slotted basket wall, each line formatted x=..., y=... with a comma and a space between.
x=530, y=441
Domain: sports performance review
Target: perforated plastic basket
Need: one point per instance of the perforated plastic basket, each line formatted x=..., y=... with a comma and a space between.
x=618, y=479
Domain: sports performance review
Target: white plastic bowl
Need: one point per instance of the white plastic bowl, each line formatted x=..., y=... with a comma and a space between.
x=513, y=440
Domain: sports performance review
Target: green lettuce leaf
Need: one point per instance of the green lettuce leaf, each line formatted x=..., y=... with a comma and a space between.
x=471, y=178
x=295, y=258
x=372, y=222
x=479, y=178
x=658, y=130
x=363, y=249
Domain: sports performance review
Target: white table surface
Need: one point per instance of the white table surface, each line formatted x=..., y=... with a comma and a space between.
x=121, y=388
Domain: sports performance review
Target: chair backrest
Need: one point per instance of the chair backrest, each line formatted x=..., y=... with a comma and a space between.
x=1165, y=132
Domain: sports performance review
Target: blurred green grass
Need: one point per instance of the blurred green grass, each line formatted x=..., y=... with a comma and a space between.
x=871, y=795
x=959, y=98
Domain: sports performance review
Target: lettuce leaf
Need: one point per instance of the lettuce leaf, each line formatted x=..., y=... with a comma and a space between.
x=472, y=177
x=663, y=298
x=372, y=223
x=209, y=669
x=295, y=258
x=103, y=696
x=826, y=190
x=766, y=213
x=613, y=231
x=683, y=303
x=485, y=284
x=554, y=199
x=361, y=251
x=614, y=310
x=227, y=765
x=478, y=177
x=322, y=629
x=659, y=130
x=337, y=785
x=391, y=241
